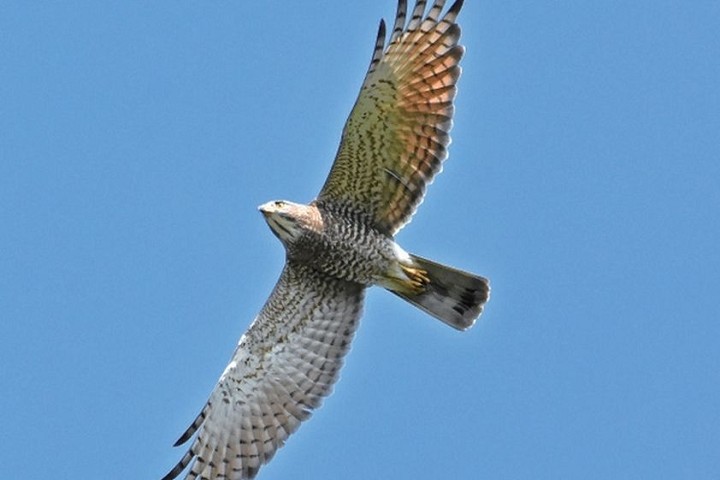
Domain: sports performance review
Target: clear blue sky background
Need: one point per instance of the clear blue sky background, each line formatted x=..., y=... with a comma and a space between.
x=136, y=141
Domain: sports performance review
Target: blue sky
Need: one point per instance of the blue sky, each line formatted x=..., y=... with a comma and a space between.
x=136, y=141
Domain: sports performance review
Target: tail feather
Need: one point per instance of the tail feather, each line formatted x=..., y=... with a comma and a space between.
x=452, y=296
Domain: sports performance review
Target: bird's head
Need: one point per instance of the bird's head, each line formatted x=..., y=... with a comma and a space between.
x=289, y=221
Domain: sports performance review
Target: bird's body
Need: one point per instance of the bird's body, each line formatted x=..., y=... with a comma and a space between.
x=337, y=246
x=339, y=243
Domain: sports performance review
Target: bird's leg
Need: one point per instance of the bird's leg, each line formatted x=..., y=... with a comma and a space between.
x=418, y=278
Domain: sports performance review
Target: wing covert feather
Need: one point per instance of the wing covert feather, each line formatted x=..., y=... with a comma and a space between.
x=282, y=368
x=396, y=137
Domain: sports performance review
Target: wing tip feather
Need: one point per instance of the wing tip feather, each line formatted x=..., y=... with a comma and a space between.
x=180, y=466
x=400, y=18
x=379, y=46
x=454, y=10
x=187, y=435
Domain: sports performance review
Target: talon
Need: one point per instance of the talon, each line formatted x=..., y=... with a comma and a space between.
x=418, y=277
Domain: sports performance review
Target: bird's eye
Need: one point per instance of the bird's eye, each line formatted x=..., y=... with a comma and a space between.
x=279, y=203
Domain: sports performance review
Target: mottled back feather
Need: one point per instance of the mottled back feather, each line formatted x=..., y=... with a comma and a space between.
x=396, y=137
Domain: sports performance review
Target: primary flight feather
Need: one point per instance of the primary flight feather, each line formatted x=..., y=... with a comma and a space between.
x=393, y=144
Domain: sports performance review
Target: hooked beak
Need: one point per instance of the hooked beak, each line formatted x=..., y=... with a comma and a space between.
x=266, y=209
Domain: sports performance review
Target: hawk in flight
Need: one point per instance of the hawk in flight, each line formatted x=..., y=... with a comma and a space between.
x=393, y=144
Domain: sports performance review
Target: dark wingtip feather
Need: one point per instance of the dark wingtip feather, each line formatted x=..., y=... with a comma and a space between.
x=192, y=428
x=379, y=46
x=184, y=438
x=381, y=31
x=416, y=17
x=400, y=16
x=454, y=9
x=177, y=469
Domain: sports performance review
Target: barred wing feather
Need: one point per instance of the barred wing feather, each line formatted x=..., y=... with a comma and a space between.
x=396, y=137
x=283, y=367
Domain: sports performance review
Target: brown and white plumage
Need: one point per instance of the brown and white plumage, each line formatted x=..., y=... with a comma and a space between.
x=392, y=146
x=396, y=137
x=283, y=367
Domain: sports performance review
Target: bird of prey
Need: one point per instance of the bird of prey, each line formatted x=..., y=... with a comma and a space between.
x=341, y=243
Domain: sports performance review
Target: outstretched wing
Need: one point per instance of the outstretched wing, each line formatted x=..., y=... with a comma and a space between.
x=396, y=137
x=283, y=367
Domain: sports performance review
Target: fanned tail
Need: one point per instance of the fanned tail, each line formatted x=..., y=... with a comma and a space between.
x=450, y=295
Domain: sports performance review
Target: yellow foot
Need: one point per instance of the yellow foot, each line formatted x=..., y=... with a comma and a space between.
x=418, y=277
